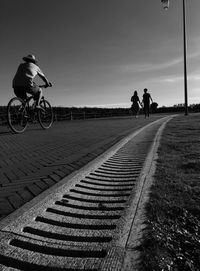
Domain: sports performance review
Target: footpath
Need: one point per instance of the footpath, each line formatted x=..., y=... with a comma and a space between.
x=91, y=219
x=34, y=161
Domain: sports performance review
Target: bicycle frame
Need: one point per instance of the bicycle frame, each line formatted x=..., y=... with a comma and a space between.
x=31, y=109
x=27, y=111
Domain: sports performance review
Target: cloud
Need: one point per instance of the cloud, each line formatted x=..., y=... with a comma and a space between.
x=176, y=78
x=194, y=77
x=148, y=66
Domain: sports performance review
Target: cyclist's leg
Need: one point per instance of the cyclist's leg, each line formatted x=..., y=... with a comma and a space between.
x=20, y=92
x=36, y=91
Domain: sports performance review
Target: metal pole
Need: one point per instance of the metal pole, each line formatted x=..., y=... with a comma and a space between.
x=185, y=59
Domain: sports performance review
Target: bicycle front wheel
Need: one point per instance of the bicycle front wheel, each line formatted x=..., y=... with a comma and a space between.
x=17, y=115
x=45, y=114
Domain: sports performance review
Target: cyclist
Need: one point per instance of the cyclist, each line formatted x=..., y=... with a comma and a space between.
x=23, y=80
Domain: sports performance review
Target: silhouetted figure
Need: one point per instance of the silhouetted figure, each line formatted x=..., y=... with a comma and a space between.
x=135, y=104
x=23, y=80
x=146, y=102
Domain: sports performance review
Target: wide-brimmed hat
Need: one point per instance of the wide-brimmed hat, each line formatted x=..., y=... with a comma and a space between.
x=30, y=58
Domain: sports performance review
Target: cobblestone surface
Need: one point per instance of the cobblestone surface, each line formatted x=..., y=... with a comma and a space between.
x=33, y=161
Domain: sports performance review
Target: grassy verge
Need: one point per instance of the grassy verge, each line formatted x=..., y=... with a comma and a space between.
x=172, y=239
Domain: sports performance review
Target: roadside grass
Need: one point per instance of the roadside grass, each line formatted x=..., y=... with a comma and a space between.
x=172, y=237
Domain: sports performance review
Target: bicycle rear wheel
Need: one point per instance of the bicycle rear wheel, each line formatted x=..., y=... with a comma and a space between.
x=45, y=115
x=17, y=115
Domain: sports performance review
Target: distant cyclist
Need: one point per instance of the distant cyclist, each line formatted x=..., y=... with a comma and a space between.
x=23, y=80
x=146, y=102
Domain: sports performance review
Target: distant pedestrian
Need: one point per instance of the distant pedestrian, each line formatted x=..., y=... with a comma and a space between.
x=135, y=108
x=146, y=102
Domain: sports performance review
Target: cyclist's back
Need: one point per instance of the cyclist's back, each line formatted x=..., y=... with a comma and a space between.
x=25, y=74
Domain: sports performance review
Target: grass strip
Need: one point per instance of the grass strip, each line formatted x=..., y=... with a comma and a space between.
x=172, y=237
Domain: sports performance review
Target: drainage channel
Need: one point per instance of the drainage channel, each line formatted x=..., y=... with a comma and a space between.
x=79, y=224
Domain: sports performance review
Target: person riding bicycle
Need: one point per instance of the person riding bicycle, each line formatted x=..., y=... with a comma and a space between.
x=23, y=80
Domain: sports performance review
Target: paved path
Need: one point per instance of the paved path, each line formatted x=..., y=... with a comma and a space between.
x=34, y=161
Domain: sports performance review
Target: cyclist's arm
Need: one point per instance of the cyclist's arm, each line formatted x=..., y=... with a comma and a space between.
x=42, y=76
x=44, y=79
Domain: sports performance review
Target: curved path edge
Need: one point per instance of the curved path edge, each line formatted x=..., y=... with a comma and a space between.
x=137, y=215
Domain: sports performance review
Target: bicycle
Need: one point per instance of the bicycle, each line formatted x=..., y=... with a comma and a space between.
x=20, y=112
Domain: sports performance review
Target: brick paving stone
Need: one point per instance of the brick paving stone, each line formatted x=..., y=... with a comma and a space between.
x=54, y=177
x=18, y=173
x=69, y=167
x=5, y=194
x=34, y=189
x=6, y=207
x=49, y=181
x=10, y=175
x=25, y=194
x=59, y=173
x=3, y=179
x=66, y=170
x=25, y=169
x=15, y=200
x=42, y=185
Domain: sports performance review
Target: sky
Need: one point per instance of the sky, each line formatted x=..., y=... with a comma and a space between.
x=98, y=52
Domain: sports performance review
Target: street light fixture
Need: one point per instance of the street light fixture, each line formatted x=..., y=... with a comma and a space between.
x=166, y=6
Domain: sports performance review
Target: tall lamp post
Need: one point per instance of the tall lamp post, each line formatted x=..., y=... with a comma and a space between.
x=166, y=6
